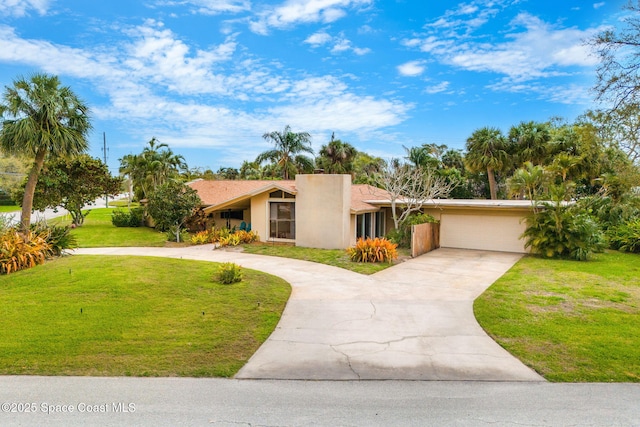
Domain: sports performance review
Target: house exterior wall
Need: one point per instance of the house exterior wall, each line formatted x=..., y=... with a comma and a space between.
x=260, y=216
x=323, y=204
x=484, y=229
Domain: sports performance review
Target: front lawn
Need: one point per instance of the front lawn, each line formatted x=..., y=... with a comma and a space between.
x=98, y=231
x=570, y=321
x=334, y=257
x=10, y=208
x=137, y=316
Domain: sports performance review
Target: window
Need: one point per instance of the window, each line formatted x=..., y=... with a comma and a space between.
x=282, y=220
x=380, y=224
x=279, y=194
x=370, y=225
x=232, y=215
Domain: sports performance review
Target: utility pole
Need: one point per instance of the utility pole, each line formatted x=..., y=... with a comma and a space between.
x=105, y=150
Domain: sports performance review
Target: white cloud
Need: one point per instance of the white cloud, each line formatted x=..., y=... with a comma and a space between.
x=157, y=54
x=411, y=68
x=459, y=22
x=361, y=50
x=210, y=7
x=598, y=5
x=429, y=44
x=571, y=94
x=532, y=49
x=440, y=87
x=340, y=43
x=467, y=9
x=22, y=7
x=156, y=84
x=52, y=58
x=293, y=12
x=318, y=38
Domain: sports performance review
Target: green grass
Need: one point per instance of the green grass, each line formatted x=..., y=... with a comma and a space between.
x=123, y=204
x=98, y=231
x=334, y=257
x=133, y=316
x=570, y=321
x=12, y=208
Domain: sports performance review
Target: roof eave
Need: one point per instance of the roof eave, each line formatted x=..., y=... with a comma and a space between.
x=247, y=195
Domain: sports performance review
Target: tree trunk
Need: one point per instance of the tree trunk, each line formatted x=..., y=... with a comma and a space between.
x=492, y=184
x=394, y=215
x=30, y=189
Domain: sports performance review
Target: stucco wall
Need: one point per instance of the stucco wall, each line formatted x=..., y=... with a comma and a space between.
x=260, y=216
x=323, y=211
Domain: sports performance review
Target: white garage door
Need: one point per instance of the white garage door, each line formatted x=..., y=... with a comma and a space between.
x=485, y=232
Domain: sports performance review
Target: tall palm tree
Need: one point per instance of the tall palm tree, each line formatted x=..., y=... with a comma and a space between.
x=486, y=152
x=531, y=142
x=337, y=157
x=41, y=118
x=287, y=152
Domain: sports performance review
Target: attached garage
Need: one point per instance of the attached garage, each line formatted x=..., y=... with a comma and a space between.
x=488, y=232
x=493, y=225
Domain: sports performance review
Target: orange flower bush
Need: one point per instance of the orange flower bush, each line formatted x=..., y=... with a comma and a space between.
x=373, y=250
x=22, y=250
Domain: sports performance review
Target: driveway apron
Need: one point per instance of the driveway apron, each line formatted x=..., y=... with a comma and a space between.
x=413, y=321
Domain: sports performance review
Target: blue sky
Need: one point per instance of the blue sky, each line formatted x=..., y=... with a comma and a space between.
x=209, y=77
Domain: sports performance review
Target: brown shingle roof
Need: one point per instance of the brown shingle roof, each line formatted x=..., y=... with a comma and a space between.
x=218, y=192
x=214, y=193
x=363, y=193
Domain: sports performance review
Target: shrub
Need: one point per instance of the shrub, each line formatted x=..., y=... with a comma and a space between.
x=246, y=236
x=229, y=272
x=402, y=236
x=201, y=238
x=234, y=240
x=20, y=250
x=626, y=237
x=5, y=199
x=560, y=231
x=373, y=250
x=229, y=240
x=177, y=234
x=127, y=218
x=6, y=223
x=59, y=238
x=612, y=213
x=219, y=233
x=225, y=237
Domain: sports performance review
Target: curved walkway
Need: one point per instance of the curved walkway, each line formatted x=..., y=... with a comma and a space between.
x=413, y=321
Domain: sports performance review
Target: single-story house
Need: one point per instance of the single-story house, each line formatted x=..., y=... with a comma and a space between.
x=328, y=211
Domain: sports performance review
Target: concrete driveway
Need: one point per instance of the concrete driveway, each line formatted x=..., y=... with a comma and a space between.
x=413, y=321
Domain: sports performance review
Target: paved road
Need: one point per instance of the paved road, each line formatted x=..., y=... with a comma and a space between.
x=220, y=402
x=50, y=213
x=413, y=321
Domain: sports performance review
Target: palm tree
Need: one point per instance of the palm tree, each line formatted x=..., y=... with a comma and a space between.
x=251, y=171
x=337, y=157
x=486, y=151
x=565, y=164
x=427, y=155
x=151, y=168
x=529, y=181
x=287, y=152
x=41, y=118
x=531, y=142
